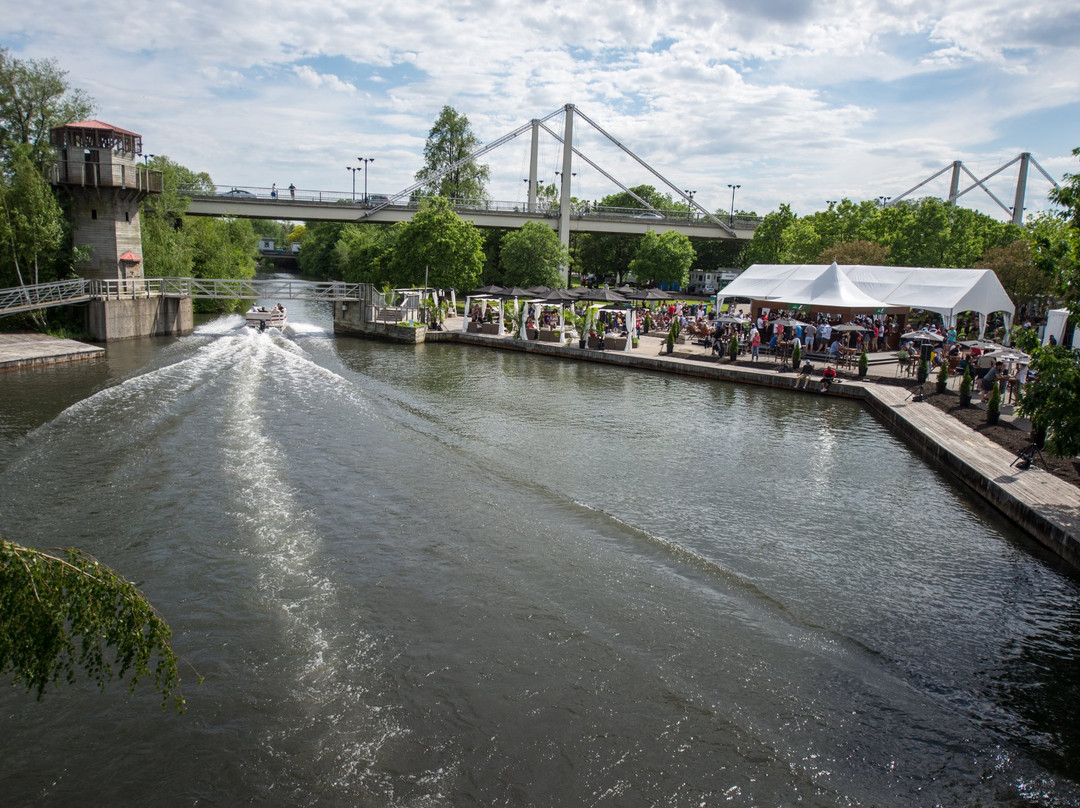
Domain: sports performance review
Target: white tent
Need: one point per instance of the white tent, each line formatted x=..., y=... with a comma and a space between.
x=945, y=291
x=1055, y=325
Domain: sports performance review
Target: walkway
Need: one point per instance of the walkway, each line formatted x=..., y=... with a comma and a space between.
x=29, y=350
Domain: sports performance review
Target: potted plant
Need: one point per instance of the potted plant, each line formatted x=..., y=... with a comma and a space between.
x=923, y=371
x=993, y=406
x=864, y=363
x=733, y=348
x=965, y=388
x=942, y=378
x=670, y=342
x=796, y=356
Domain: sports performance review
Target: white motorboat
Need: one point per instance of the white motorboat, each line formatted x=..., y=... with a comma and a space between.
x=263, y=318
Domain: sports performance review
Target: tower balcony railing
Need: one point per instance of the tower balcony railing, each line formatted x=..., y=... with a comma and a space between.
x=106, y=175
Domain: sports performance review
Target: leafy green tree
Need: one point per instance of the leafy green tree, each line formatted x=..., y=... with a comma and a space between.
x=1067, y=269
x=605, y=255
x=446, y=170
x=865, y=253
x=437, y=241
x=32, y=224
x=1016, y=270
x=801, y=242
x=34, y=97
x=178, y=246
x=532, y=256
x=363, y=252
x=663, y=259
x=766, y=246
x=318, y=256
x=61, y=612
x=167, y=247
x=1053, y=400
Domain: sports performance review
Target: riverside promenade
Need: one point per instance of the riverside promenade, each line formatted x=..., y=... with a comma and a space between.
x=1044, y=506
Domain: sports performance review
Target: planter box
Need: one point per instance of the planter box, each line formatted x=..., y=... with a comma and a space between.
x=489, y=328
x=475, y=328
x=615, y=343
x=547, y=335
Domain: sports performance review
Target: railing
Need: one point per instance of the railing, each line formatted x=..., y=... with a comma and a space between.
x=46, y=295
x=43, y=295
x=106, y=175
x=225, y=289
x=542, y=208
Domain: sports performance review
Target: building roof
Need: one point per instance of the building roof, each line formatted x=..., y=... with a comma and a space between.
x=130, y=257
x=95, y=124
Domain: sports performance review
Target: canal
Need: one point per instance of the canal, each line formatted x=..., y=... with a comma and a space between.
x=444, y=575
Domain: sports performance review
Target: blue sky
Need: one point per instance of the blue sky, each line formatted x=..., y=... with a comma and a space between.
x=794, y=101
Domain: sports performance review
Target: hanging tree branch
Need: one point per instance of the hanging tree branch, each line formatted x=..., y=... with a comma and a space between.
x=59, y=614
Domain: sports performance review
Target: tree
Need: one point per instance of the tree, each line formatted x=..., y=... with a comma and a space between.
x=438, y=243
x=1053, y=400
x=532, y=256
x=766, y=246
x=1017, y=272
x=34, y=97
x=364, y=251
x=63, y=612
x=178, y=246
x=663, y=259
x=32, y=224
x=447, y=172
x=318, y=258
x=865, y=253
x=1067, y=269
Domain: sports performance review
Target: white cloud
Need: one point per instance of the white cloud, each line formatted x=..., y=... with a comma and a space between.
x=797, y=101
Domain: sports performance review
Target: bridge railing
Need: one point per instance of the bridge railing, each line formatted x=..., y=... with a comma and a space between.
x=542, y=208
x=43, y=295
x=225, y=289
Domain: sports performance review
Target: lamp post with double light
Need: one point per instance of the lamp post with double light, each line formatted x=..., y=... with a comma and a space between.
x=365, y=161
x=353, y=169
x=731, y=214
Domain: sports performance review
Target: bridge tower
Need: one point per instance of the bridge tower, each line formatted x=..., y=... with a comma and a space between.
x=97, y=163
x=98, y=166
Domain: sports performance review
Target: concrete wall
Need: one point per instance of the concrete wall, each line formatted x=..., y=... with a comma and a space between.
x=349, y=319
x=146, y=317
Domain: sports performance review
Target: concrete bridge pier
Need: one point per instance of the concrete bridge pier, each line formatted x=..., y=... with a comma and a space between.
x=139, y=317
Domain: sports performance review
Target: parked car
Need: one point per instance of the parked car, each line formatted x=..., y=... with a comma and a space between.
x=375, y=200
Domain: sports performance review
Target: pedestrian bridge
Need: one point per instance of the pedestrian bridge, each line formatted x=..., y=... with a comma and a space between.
x=64, y=293
x=325, y=206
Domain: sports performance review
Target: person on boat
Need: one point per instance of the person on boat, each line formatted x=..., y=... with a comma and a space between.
x=280, y=308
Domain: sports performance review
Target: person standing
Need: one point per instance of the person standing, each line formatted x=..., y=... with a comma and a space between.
x=292, y=191
x=273, y=191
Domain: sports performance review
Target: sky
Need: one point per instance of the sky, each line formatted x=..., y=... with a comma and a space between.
x=794, y=101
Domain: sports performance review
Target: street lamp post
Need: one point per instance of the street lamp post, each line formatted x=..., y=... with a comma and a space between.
x=353, y=170
x=884, y=200
x=731, y=215
x=365, y=161
x=690, y=194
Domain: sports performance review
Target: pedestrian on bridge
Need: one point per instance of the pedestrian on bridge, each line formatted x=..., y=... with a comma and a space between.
x=273, y=191
x=292, y=191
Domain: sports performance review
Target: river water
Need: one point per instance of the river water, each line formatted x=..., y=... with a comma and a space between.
x=444, y=575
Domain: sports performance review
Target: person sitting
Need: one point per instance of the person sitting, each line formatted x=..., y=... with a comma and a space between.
x=828, y=376
x=989, y=379
x=803, y=380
